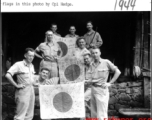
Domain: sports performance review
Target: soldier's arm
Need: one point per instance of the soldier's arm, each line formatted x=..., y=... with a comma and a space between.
x=36, y=53
x=13, y=70
x=99, y=40
x=116, y=75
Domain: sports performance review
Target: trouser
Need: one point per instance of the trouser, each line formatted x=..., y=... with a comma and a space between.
x=87, y=97
x=25, y=99
x=99, y=102
x=52, y=66
x=87, y=94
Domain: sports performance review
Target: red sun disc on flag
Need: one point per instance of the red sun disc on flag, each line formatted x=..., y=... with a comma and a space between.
x=72, y=72
x=62, y=102
x=63, y=47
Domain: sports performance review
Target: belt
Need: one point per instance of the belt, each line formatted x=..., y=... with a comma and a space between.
x=96, y=85
x=49, y=60
x=26, y=85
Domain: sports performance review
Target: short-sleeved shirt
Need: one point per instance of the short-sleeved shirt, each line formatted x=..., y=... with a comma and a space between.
x=25, y=73
x=71, y=36
x=97, y=40
x=79, y=54
x=49, y=49
x=88, y=72
x=101, y=71
x=57, y=34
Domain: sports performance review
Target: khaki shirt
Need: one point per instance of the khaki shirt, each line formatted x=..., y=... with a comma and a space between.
x=88, y=72
x=71, y=36
x=101, y=71
x=55, y=33
x=96, y=41
x=49, y=49
x=79, y=54
x=25, y=73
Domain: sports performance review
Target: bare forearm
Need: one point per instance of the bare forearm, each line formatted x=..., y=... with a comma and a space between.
x=37, y=55
x=36, y=84
x=10, y=79
x=116, y=75
x=96, y=80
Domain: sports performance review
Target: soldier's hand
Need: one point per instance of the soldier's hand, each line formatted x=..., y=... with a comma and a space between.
x=106, y=84
x=91, y=45
x=36, y=84
x=87, y=81
x=20, y=86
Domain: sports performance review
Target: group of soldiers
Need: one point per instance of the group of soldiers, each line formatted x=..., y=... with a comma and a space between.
x=88, y=52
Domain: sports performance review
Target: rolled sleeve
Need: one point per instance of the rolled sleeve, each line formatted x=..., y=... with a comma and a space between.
x=33, y=70
x=111, y=66
x=99, y=40
x=59, y=50
x=38, y=48
x=14, y=69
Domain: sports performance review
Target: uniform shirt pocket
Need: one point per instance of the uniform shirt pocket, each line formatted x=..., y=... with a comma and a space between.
x=55, y=51
x=24, y=74
x=102, y=73
x=88, y=75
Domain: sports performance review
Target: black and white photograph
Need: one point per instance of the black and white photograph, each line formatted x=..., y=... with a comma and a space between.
x=90, y=65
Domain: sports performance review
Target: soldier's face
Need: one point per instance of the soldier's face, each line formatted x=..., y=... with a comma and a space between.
x=82, y=43
x=96, y=54
x=87, y=59
x=49, y=36
x=29, y=56
x=44, y=74
x=72, y=30
x=54, y=28
x=89, y=26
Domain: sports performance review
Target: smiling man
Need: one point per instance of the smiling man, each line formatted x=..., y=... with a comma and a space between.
x=43, y=78
x=100, y=84
x=72, y=31
x=92, y=37
x=54, y=29
x=24, y=95
x=50, y=53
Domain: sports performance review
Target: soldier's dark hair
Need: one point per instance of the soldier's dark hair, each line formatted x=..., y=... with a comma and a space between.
x=95, y=47
x=53, y=24
x=45, y=69
x=90, y=22
x=79, y=38
x=28, y=49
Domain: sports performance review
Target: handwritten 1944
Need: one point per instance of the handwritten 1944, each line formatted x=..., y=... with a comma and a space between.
x=125, y=3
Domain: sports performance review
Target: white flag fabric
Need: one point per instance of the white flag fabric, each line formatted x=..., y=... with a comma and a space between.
x=62, y=101
x=71, y=71
x=67, y=45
